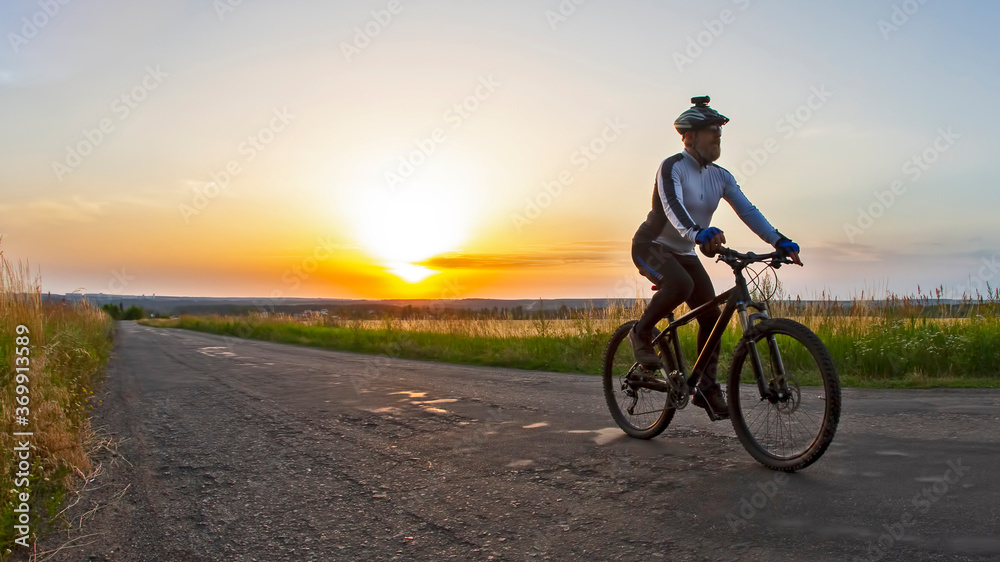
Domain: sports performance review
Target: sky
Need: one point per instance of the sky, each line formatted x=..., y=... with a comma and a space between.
x=449, y=149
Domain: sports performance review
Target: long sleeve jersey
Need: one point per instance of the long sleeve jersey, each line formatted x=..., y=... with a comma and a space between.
x=685, y=197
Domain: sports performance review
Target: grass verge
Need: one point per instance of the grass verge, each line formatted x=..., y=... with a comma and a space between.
x=67, y=348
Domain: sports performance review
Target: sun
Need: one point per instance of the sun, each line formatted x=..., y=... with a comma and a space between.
x=406, y=227
x=411, y=273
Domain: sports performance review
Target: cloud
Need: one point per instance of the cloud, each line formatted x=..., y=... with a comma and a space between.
x=50, y=211
x=851, y=253
x=139, y=201
x=595, y=253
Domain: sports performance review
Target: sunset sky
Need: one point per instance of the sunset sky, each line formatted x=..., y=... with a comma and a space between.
x=440, y=148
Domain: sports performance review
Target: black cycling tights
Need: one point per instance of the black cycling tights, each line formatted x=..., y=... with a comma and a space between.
x=680, y=279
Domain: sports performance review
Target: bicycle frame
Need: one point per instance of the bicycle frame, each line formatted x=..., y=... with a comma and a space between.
x=737, y=300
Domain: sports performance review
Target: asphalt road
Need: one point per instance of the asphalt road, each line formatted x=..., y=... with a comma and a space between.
x=243, y=450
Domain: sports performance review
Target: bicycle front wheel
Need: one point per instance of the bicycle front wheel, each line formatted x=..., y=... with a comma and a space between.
x=791, y=424
x=640, y=412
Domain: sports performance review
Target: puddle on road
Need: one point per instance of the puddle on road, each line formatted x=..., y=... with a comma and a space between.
x=893, y=454
x=607, y=435
x=601, y=436
x=214, y=351
x=534, y=425
x=411, y=394
x=386, y=410
x=425, y=404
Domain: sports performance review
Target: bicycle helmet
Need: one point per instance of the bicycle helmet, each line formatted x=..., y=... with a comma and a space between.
x=699, y=116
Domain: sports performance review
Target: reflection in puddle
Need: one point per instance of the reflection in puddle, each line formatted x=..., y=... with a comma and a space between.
x=412, y=394
x=603, y=436
x=424, y=404
x=534, y=425
x=607, y=435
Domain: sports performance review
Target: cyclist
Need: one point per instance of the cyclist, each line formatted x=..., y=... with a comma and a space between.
x=686, y=193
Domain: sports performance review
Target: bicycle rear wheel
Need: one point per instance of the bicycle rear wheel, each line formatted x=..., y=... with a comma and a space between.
x=792, y=430
x=640, y=412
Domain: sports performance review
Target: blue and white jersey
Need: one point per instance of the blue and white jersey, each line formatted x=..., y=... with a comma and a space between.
x=685, y=197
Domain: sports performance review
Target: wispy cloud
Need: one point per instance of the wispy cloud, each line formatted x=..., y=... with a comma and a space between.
x=848, y=253
x=51, y=211
x=139, y=201
x=596, y=253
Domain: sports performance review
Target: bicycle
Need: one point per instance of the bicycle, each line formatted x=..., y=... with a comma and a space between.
x=783, y=389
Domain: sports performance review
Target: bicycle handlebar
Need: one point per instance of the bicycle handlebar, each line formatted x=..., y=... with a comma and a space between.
x=732, y=257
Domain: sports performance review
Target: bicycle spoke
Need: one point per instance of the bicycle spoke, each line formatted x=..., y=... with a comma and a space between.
x=784, y=430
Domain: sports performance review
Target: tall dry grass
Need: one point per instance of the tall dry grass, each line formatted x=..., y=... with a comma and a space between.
x=68, y=347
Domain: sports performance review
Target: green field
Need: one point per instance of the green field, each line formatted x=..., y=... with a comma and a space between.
x=890, y=343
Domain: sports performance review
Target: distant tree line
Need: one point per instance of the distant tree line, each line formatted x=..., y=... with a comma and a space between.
x=410, y=312
x=118, y=313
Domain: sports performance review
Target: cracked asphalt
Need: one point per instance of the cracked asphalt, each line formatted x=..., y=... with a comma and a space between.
x=243, y=450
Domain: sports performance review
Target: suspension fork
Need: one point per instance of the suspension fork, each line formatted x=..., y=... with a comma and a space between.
x=779, y=367
x=749, y=321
